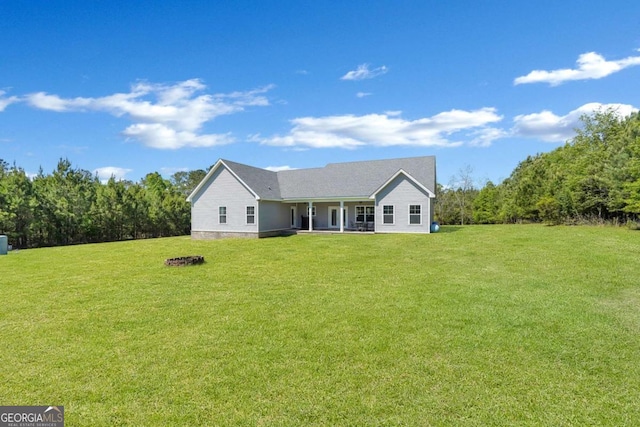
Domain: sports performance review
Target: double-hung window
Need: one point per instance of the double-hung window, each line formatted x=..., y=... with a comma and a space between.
x=387, y=214
x=365, y=213
x=251, y=214
x=415, y=214
x=222, y=215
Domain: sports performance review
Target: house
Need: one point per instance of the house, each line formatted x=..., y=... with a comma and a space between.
x=384, y=196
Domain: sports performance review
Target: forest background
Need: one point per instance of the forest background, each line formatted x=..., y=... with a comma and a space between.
x=594, y=178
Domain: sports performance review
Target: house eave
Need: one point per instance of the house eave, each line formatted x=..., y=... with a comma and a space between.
x=324, y=199
x=409, y=177
x=207, y=177
x=204, y=180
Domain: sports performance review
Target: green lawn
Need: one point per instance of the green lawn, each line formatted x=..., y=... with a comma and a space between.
x=472, y=326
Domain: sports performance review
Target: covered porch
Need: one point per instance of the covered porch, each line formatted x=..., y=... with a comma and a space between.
x=334, y=215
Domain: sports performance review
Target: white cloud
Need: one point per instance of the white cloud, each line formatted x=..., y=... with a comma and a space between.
x=550, y=127
x=279, y=168
x=163, y=116
x=363, y=72
x=250, y=98
x=363, y=94
x=45, y=101
x=157, y=135
x=591, y=65
x=485, y=136
x=5, y=102
x=384, y=130
x=105, y=173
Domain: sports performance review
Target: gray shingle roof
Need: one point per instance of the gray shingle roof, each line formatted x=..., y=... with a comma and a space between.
x=263, y=182
x=349, y=179
x=353, y=179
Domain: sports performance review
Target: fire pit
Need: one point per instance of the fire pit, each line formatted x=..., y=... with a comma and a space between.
x=184, y=260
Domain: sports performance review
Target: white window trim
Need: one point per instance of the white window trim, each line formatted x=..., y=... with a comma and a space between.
x=246, y=216
x=345, y=219
x=294, y=216
x=409, y=212
x=365, y=212
x=221, y=215
x=393, y=215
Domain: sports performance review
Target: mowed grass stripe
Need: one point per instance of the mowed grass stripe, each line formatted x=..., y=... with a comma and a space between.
x=495, y=325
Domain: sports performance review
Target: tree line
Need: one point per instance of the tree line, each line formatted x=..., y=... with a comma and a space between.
x=592, y=178
x=72, y=205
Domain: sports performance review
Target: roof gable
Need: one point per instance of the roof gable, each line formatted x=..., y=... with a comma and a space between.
x=409, y=177
x=262, y=183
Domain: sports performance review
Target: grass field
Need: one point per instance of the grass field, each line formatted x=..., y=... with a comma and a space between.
x=472, y=326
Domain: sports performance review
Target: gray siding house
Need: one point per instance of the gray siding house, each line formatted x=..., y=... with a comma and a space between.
x=383, y=196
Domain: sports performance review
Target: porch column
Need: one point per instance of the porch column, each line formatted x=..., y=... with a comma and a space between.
x=341, y=216
x=310, y=216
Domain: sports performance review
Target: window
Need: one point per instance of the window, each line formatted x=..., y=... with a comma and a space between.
x=415, y=216
x=313, y=210
x=222, y=215
x=365, y=213
x=387, y=214
x=251, y=214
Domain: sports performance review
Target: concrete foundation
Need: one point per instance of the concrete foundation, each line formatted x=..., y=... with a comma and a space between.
x=211, y=235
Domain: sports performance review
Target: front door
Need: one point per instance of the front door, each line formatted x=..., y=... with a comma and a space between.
x=334, y=217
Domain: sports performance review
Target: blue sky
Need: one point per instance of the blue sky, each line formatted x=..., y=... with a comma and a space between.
x=129, y=88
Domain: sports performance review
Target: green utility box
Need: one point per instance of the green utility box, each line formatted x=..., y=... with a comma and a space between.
x=3, y=245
